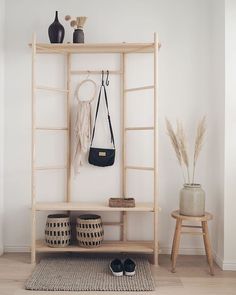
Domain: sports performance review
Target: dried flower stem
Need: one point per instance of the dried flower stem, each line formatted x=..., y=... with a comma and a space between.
x=201, y=130
x=175, y=144
x=183, y=147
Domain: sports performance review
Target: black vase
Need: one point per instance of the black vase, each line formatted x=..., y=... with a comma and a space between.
x=78, y=36
x=56, y=31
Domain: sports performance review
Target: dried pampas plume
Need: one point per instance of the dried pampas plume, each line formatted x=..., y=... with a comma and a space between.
x=201, y=130
x=183, y=146
x=179, y=143
x=174, y=141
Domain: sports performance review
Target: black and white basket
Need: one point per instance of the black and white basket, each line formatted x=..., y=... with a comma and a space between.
x=89, y=230
x=58, y=230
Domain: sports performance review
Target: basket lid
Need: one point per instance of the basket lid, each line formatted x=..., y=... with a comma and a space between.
x=58, y=216
x=89, y=216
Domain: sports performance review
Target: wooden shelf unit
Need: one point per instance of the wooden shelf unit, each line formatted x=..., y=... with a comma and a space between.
x=124, y=246
x=85, y=206
x=106, y=247
x=95, y=48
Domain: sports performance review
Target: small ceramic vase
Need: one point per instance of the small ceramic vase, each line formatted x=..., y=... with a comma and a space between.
x=192, y=200
x=56, y=31
x=78, y=36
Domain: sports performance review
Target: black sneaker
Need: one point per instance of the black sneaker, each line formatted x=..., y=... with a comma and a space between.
x=129, y=267
x=116, y=267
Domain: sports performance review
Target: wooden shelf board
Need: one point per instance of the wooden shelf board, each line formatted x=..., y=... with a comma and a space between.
x=95, y=48
x=106, y=247
x=85, y=206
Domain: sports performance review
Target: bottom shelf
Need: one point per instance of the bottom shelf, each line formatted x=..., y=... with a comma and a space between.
x=107, y=246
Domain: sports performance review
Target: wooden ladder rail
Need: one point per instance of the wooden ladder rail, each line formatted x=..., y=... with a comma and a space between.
x=35, y=128
x=155, y=67
x=124, y=129
x=33, y=158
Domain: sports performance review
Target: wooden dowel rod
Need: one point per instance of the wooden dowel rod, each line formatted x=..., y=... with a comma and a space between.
x=191, y=226
x=139, y=168
x=113, y=223
x=84, y=72
x=51, y=128
x=193, y=233
x=50, y=167
x=40, y=87
x=139, y=128
x=139, y=88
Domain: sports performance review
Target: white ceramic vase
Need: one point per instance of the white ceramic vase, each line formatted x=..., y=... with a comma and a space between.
x=192, y=200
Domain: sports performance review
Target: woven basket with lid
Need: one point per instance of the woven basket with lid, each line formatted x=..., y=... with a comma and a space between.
x=58, y=230
x=89, y=230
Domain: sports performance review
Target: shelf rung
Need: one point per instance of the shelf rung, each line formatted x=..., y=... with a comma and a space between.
x=139, y=88
x=139, y=168
x=94, y=72
x=191, y=226
x=139, y=128
x=50, y=167
x=112, y=223
x=51, y=89
x=193, y=233
x=51, y=128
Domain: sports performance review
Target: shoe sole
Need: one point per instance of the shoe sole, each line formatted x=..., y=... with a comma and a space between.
x=129, y=274
x=116, y=274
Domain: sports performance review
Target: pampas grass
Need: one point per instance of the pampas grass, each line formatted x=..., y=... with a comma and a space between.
x=179, y=143
x=201, y=130
x=175, y=143
x=181, y=137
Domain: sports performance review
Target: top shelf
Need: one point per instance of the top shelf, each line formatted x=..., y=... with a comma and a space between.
x=95, y=48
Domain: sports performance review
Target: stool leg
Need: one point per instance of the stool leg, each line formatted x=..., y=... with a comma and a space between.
x=175, y=249
x=174, y=240
x=207, y=246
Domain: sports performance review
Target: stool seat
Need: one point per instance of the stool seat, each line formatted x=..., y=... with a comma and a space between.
x=205, y=233
x=208, y=216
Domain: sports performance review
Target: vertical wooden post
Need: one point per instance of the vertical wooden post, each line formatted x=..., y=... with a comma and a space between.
x=155, y=150
x=68, y=178
x=123, y=143
x=33, y=157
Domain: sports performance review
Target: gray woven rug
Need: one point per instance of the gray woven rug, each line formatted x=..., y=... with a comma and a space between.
x=87, y=274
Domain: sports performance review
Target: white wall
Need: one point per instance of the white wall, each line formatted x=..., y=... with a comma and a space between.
x=2, y=16
x=230, y=138
x=216, y=101
x=186, y=92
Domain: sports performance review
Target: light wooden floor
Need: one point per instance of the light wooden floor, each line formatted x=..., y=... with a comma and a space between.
x=192, y=278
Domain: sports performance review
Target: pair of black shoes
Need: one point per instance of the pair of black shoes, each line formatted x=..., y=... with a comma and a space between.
x=127, y=267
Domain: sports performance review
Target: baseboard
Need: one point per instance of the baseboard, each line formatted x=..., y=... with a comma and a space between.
x=22, y=248
x=218, y=260
x=229, y=265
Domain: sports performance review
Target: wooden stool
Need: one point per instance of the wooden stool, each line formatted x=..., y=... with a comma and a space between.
x=205, y=233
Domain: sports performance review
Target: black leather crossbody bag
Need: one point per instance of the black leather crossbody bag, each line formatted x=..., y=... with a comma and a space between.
x=102, y=157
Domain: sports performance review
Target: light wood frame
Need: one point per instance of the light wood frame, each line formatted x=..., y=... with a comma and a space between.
x=123, y=49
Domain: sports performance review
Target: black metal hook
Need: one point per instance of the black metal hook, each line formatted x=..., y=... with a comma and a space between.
x=102, y=77
x=107, y=81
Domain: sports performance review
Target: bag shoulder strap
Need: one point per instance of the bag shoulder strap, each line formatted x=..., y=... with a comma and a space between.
x=108, y=115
